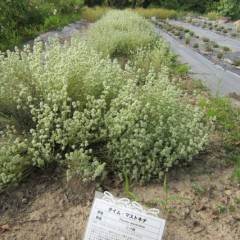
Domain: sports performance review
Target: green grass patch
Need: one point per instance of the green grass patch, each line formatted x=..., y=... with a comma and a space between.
x=227, y=122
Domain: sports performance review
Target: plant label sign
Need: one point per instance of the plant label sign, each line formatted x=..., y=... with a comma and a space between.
x=119, y=219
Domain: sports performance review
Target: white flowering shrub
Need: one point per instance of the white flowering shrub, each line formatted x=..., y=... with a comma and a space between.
x=152, y=128
x=120, y=32
x=69, y=106
x=62, y=93
x=157, y=57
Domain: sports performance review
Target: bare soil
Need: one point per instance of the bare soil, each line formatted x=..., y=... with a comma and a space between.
x=47, y=207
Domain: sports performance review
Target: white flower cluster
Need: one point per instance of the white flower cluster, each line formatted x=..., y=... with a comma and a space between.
x=157, y=57
x=152, y=128
x=120, y=32
x=72, y=107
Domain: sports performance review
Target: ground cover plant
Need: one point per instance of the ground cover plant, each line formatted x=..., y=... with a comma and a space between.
x=113, y=35
x=70, y=106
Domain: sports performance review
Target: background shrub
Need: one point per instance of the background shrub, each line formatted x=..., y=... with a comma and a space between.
x=120, y=32
x=93, y=14
x=159, y=13
x=23, y=20
x=213, y=15
x=151, y=129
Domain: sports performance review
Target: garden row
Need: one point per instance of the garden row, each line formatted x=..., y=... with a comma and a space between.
x=203, y=45
x=233, y=31
x=100, y=107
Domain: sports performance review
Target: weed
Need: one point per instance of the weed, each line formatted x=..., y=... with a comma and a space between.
x=128, y=192
x=220, y=55
x=191, y=33
x=236, y=62
x=212, y=15
x=198, y=189
x=226, y=49
x=219, y=208
x=232, y=208
x=164, y=202
x=205, y=39
x=182, y=70
x=177, y=33
x=195, y=45
x=208, y=48
x=237, y=200
x=189, y=19
x=187, y=39
x=236, y=173
x=215, y=45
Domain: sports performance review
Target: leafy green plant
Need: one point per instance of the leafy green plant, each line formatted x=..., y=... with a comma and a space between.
x=219, y=208
x=198, y=189
x=195, y=45
x=225, y=30
x=236, y=62
x=205, y=39
x=114, y=36
x=187, y=38
x=164, y=202
x=182, y=70
x=21, y=21
x=220, y=55
x=191, y=33
x=229, y=8
x=70, y=106
x=212, y=15
x=226, y=49
x=208, y=48
x=215, y=45
x=128, y=192
x=236, y=173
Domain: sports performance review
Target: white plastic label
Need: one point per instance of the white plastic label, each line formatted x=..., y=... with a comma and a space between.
x=109, y=221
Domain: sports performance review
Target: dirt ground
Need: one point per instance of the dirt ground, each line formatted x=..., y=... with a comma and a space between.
x=47, y=207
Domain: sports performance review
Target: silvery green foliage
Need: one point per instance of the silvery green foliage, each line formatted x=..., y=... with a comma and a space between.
x=13, y=164
x=72, y=107
x=120, y=32
x=157, y=57
x=64, y=91
x=152, y=128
